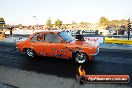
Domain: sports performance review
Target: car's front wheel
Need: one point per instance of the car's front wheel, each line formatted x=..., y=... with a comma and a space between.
x=80, y=57
x=30, y=53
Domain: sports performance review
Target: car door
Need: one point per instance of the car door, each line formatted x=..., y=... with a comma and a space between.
x=37, y=42
x=53, y=44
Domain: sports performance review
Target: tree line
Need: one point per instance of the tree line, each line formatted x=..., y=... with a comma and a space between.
x=103, y=22
x=57, y=23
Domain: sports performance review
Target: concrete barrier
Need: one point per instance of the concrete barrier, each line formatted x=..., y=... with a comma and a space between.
x=117, y=41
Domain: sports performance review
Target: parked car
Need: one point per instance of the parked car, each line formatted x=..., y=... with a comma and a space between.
x=58, y=44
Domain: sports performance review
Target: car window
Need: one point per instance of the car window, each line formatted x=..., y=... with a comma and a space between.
x=66, y=36
x=53, y=38
x=37, y=38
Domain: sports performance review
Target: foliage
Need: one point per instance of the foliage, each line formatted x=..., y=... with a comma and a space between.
x=58, y=23
x=104, y=21
x=83, y=23
x=118, y=22
x=74, y=23
x=114, y=24
x=48, y=23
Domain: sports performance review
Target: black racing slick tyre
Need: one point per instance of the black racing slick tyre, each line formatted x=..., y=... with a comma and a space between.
x=30, y=53
x=80, y=57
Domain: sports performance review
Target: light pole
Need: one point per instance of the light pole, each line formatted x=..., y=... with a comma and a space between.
x=129, y=28
x=35, y=20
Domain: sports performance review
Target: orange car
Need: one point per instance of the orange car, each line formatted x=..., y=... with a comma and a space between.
x=58, y=44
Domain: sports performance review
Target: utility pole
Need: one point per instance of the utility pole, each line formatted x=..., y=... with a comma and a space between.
x=129, y=28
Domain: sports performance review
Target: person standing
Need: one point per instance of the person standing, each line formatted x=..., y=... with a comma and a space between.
x=11, y=29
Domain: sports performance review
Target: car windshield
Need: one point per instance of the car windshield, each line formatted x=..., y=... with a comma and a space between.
x=66, y=36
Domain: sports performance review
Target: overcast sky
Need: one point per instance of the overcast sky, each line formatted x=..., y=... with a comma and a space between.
x=22, y=11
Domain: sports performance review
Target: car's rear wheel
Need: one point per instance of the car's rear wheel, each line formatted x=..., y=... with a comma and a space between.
x=30, y=53
x=80, y=57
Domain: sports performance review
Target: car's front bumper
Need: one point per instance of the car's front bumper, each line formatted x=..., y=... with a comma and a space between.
x=97, y=51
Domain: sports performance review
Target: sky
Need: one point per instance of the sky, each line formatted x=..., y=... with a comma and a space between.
x=23, y=11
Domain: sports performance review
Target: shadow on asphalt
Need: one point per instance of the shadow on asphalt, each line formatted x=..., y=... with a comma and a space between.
x=61, y=68
x=54, y=66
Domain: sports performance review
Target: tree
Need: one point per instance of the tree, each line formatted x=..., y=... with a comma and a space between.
x=74, y=23
x=84, y=23
x=58, y=23
x=124, y=22
x=118, y=22
x=115, y=22
x=2, y=22
x=48, y=23
x=104, y=21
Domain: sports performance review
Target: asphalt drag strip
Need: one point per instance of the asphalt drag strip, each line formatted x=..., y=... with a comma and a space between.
x=2, y=85
x=18, y=70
